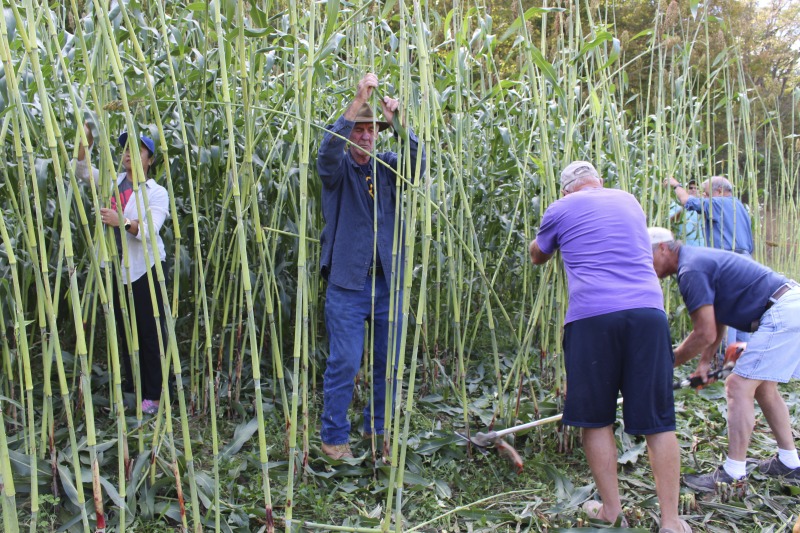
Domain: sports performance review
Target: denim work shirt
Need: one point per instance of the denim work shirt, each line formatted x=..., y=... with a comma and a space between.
x=347, y=207
x=727, y=223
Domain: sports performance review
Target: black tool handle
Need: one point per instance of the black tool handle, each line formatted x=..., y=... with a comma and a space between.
x=696, y=381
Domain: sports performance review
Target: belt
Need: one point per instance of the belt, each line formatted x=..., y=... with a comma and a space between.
x=774, y=297
x=376, y=270
x=783, y=289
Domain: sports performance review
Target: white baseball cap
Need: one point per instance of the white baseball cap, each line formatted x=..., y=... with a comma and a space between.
x=575, y=170
x=659, y=235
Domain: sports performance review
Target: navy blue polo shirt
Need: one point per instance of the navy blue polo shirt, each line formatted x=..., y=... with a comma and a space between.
x=738, y=287
x=351, y=197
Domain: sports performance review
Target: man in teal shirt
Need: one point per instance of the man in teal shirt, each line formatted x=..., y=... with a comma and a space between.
x=691, y=227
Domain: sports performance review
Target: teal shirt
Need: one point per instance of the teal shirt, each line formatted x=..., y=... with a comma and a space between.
x=690, y=229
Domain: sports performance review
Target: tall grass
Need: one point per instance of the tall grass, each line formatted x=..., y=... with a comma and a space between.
x=236, y=95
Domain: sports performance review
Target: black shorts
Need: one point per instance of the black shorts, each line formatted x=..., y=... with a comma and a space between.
x=628, y=351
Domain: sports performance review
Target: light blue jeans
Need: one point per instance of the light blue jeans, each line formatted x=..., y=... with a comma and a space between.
x=735, y=335
x=773, y=353
x=346, y=312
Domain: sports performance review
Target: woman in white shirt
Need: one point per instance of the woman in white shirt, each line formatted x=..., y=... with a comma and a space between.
x=126, y=214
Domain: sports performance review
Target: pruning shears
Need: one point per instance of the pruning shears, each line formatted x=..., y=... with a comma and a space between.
x=732, y=354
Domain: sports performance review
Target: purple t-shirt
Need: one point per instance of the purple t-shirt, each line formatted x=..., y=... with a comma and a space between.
x=602, y=234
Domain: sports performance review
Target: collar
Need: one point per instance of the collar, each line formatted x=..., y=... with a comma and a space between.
x=147, y=183
x=353, y=161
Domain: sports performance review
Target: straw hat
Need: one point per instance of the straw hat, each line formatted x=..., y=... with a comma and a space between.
x=365, y=114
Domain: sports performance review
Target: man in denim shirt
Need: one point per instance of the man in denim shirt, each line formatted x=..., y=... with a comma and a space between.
x=357, y=250
x=727, y=223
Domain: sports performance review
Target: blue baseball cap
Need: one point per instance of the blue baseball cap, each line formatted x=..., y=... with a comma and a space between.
x=147, y=141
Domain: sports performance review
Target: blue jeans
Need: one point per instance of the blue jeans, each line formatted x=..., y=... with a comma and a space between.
x=346, y=311
x=735, y=335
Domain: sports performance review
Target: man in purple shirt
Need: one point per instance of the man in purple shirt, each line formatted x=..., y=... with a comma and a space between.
x=616, y=335
x=359, y=204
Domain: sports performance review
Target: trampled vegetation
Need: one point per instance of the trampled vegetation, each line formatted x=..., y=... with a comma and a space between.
x=236, y=95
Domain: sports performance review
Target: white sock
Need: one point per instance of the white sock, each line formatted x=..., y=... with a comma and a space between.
x=735, y=469
x=789, y=458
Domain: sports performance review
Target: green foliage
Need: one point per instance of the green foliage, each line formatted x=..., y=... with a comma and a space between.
x=236, y=96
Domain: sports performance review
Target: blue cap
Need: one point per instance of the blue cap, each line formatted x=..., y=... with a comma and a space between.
x=147, y=141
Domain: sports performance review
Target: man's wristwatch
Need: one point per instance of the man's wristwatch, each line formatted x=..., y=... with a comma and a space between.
x=677, y=185
x=127, y=224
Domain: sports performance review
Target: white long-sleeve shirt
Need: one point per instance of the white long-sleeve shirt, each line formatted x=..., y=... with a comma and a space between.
x=158, y=199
